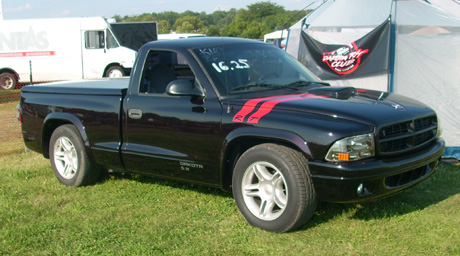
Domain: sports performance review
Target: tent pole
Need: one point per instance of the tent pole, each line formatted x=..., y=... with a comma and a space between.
x=392, y=46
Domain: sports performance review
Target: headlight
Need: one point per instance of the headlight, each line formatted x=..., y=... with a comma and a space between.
x=352, y=148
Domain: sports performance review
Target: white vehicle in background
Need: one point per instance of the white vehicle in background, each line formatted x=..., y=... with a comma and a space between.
x=277, y=38
x=178, y=36
x=43, y=50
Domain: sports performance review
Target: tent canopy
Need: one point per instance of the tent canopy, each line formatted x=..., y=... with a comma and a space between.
x=420, y=48
x=279, y=34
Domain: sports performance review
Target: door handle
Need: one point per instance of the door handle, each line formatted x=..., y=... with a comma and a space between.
x=135, y=113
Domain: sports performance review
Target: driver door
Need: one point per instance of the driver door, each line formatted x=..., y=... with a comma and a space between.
x=171, y=136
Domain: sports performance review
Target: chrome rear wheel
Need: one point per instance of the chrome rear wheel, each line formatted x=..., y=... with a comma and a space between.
x=65, y=158
x=69, y=159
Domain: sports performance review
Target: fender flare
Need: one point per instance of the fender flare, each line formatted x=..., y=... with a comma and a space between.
x=264, y=134
x=56, y=119
x=9, y=70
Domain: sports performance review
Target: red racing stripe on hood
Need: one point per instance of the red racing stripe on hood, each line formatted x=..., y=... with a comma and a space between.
x=268, y=106
x=250, y=105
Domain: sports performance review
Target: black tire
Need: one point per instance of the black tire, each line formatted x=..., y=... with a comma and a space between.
x=115, y=72
x=281, y=186
x=69, y=158
x=8, y=81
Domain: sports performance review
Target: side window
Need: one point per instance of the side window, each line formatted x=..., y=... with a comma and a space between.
x=161, y=68
x=94, y=39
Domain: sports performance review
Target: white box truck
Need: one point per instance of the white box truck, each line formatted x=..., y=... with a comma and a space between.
x=43, y=50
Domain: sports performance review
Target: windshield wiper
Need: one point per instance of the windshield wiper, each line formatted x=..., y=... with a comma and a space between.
x=302, y=83
x=293, y=86
x=275, y=86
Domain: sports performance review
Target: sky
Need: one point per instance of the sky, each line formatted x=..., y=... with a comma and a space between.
x=31, y=9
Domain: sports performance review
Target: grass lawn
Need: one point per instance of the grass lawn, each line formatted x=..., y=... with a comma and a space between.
x=10, y=130
x=9, y=95
x=138, y=215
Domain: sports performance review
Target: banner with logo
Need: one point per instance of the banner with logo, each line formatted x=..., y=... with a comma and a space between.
x=365, y=56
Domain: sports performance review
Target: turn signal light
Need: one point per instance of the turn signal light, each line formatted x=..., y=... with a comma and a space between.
x=343, y=157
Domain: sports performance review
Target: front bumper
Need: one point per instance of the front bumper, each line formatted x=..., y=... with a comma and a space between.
x=372, y=179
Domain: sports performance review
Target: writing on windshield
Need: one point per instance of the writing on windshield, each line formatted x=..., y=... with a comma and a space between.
x=233, y=64
x=251, y=67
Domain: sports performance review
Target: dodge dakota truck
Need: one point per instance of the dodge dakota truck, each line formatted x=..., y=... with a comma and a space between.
x=239, y=115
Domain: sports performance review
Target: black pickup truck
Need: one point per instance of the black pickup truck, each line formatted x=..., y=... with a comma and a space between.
x=239, y=115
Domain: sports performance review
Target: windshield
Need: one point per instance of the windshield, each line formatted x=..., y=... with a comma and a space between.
x=238, y=69
x=111, y=41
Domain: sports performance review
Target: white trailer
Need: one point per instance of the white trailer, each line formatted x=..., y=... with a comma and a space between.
x=43, y=50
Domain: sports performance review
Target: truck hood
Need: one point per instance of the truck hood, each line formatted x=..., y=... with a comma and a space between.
x=365, y=106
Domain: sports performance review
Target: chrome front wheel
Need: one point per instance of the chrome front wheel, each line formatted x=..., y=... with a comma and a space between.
x=273, y=189
x=264, y=190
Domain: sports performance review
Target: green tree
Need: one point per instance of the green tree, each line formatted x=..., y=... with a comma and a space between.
x=235, y=28
x=260, y=10
x=253, y=30
x=185, y=27
x=189, y=13
x=213, y=30
x=169, y=16
x=188, y=24
x=163, y=27
x=252, y=22
x=260, y=18
x=118, y=18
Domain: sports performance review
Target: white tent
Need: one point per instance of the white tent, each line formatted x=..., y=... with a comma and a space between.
x=415, y=51
x=279, y=34
x=450, y=6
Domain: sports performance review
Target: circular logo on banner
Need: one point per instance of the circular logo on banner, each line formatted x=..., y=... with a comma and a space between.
x=344, y=60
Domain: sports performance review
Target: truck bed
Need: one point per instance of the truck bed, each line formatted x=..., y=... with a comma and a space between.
x=93, y=106
x=115, y=87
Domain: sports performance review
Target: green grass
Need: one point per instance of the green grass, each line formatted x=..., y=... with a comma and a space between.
x=9, y=95
x=138, y=215
x=10, y=130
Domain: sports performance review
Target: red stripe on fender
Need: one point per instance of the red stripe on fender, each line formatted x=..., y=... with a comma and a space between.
x=250, y=105
x=268, y=106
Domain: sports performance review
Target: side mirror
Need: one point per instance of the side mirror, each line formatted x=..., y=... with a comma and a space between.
x=184, y=87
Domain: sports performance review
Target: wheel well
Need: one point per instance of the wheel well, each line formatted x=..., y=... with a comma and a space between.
x=48, y=130
x=236, y=149
x=10, y=71
x=126, y=70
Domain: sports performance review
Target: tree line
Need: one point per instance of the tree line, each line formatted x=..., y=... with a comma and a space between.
x=253, y=22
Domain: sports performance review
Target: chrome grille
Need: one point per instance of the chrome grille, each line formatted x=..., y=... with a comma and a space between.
x=406, y=136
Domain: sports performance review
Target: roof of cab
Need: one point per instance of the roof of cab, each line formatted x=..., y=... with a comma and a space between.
x=190, y=43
